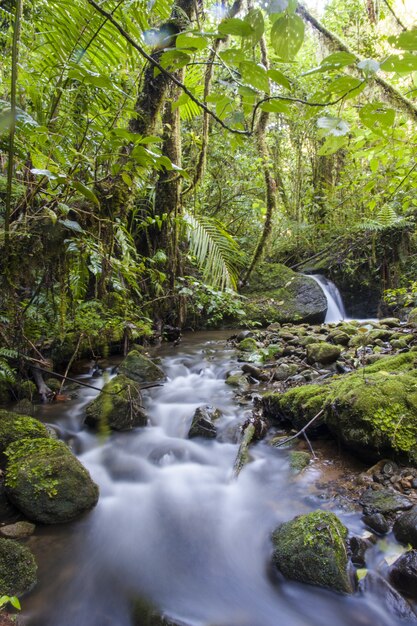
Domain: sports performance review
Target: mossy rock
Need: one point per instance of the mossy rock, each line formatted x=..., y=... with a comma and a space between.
x=118, y=406
x=247, y=345
x=298, y=405
x=17, y=568
x=312, y=549
x=338, y=337
x=375, y=412
x=141, y=368
x=46, y=482
x=278, y=294
x=203, y=422
x=299, y=460
x=14, y=427
x=412, y=317
x=323, y=352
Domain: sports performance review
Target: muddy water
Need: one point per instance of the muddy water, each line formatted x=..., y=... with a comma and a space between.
x=174, y=527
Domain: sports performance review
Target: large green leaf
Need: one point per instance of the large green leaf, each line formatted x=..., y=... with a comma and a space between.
x=232, y=56
x=405, y=41
x=255, y=75
x=275, y=106
x=332, y=145
x=334, y=61
x=402, y=63
x=279, y=78
x=377, y=117
x=235, y=26
x=255, y=19
x=191, y=41
x=287, y=36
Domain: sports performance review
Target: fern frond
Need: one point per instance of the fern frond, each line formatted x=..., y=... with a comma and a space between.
x=385, y=218
x=216, y=252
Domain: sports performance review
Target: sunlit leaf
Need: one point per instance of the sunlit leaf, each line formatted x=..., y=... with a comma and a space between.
x=287, y=36
x=235, y=26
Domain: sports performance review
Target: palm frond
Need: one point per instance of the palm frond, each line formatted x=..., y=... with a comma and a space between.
x=215, y=251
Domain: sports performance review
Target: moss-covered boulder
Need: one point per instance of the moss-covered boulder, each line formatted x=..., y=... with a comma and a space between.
x=247, y=345
x=14, y=427
x=118, y=406
x=298, y=405
x=46, y=482
x=375, y=412
x=141, y=368
x=17, y=568
x=405, y=527
x=278, y=294
x=299, y=460
x=312, y=549
x=323, y=352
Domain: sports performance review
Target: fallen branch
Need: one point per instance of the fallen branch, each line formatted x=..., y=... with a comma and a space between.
x=300, y=432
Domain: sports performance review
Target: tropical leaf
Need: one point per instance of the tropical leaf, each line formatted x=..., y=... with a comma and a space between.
x=215, y=251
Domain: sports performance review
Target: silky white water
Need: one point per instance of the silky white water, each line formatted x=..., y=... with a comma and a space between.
x=174, y=527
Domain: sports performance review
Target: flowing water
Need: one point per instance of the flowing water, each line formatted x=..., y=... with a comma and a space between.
x=172, y=524
x=335, y=307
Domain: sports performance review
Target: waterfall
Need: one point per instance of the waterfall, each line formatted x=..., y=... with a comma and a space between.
x=335, y=307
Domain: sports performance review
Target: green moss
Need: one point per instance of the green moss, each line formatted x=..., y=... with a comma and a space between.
x=247, y=345
x=140, y=368
x=311, y=549
x=299, y=460
x=14, y=427
x=118, y=406
x=298, y=405
x=17, y=568
x=46, y=482
x=322, y=352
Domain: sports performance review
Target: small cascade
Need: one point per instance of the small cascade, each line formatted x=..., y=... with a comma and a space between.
x=335, y=307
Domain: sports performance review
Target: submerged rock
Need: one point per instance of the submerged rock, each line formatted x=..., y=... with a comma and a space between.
x=278, y=294
x=312, y=549
x=19, y=530
x=384, y=501
x=47, y=483
x=141, y=368
x=203, y=422
x=118, y=406
x=387, y=597
x=299, y=460
x=17, y=568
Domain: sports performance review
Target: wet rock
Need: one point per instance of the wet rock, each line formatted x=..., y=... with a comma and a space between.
x=203, y=422
x=141, y=368
x=237, y=380
x=311, y=549
x=377, y=523
x=387, y=597
x=19, y=530
x=323, y=353
x=243, y=334
x=118, y=406
x=405, y=527
x=278, y=294
x=14, y=427
x=17, y=568
x=253, y=371
x=403, y=574
x=47, y=483
x=299, y=460
x=358, y=548
x=384, y=501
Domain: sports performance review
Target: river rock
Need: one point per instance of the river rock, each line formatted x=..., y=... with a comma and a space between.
x=47, y=483
x=203, y=422
x=339, y=337
x=141, y=368
x=312, y=549
x=403, y=574
x=278, y=294
x=298, y=405
x=323, y=352
x=377, y=523
x=384, y=501
x=247, y=345
x=390, y=601
x=14, y=427
x=299, y=460
x=405, y=527
x=19, y=530
x=118, y=406
x=17, y=568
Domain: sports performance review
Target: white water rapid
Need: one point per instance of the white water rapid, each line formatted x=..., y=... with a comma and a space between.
x=174, y=527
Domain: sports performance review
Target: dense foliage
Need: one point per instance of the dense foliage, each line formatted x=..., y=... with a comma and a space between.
x=152, y=153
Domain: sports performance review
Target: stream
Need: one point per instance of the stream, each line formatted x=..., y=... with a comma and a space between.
x=172, y=524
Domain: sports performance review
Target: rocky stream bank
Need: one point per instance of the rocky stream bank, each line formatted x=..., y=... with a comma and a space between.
x=345, y=392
